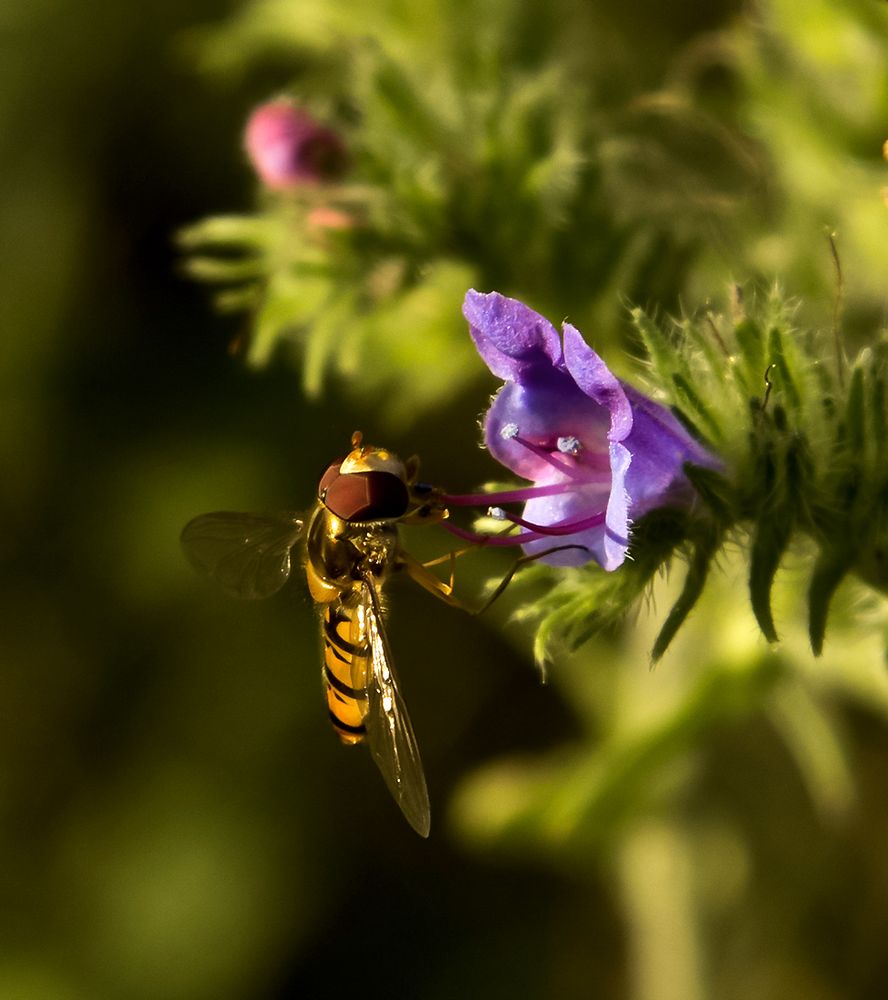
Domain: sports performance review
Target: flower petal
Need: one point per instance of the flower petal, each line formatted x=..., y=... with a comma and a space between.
x=606, y=543
x=543, y=411
x=597, y=381
x=514, y=341
x=564, y=420
x=660, y=447
x=565, y=508
x=617, y=523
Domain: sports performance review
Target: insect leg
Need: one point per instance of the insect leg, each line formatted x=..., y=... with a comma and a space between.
x=428, y=581
x=451, y=557
x=519, y=562
x=419, y=572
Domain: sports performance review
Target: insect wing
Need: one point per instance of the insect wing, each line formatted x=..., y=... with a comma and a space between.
x=248, y=554
x=389, y=732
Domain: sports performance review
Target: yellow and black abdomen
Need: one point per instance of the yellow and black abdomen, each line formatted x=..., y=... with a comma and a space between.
x=344, y=561
x=346, y=660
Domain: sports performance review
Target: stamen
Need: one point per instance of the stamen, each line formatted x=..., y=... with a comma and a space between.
x=533, y=532
x=509, y=496
x=568, y=468
x=560, y=527
x=520, y=538
x=569, y=445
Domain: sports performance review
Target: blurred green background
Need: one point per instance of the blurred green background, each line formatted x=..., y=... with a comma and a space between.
x=178, y=820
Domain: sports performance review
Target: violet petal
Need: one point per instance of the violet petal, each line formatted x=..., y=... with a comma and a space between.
x=597, y=381
x=513, y=340
x=543, y=412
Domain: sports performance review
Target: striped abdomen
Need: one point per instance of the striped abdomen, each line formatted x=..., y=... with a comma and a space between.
x=346, y=658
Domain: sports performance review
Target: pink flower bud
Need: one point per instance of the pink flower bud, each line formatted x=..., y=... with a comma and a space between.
x=288, y=148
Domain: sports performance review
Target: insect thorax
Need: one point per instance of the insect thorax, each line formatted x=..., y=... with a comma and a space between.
x=339, y=553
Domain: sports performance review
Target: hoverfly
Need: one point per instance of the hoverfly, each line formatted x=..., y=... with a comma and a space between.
x=350, y=545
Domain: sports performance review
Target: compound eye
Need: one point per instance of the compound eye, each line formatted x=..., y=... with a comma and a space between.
x=331, y=473
x=364, y=496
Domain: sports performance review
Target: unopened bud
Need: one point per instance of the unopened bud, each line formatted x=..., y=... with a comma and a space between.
x=288, y=148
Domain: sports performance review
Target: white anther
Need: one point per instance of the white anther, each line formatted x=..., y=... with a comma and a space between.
x=569, y=445
x=509, y=431
x=497, y=513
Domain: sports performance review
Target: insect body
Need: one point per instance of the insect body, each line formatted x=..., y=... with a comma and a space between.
x=351, y=545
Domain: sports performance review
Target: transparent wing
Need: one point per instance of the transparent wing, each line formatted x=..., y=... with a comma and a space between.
x=248, y=554
x=389, y=732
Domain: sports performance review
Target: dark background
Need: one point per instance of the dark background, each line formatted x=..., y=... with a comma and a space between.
x=178, y=821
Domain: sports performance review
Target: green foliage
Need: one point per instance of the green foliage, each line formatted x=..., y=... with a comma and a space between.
x=179, y=822
x=660, y=787
x=508, y=154
x=803, y=444
x=814, y=85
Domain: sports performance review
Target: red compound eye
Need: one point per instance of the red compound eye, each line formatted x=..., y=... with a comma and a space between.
x=330, y=474
x=363, y=496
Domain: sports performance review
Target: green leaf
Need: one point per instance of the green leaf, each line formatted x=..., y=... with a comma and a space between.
x=772, y=536
x=878, y=414
x=829, y=571
x=698, y=569
x=855, y=415
x=714, y=489
x=665, y=358
x=222, y=270
x=242, y=232
x=751, y=343
x=778, y=357
x=686, y=392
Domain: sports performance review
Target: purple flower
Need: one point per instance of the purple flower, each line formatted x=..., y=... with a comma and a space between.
x=288, y=148
x=600, y=454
